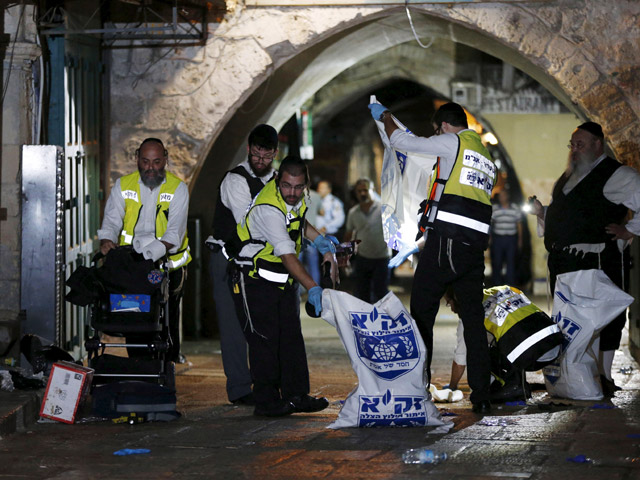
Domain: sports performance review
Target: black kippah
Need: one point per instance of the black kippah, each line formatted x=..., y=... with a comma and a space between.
x=593, y=128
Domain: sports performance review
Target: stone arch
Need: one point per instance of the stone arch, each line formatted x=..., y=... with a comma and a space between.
x=261, y=63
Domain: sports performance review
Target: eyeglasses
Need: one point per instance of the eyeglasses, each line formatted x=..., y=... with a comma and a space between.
x=262, y=154
x=577, y=145
x=287, y=186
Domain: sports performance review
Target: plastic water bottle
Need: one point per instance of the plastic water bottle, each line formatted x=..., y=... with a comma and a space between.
x=423, y=455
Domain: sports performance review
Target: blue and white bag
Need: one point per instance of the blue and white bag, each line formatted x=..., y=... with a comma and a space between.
x=584, y=302
x=388, y=354
x=403, y=185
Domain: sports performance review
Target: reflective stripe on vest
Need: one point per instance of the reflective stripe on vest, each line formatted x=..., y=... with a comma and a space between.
x=273, y=276
x=262, y=259
x=531, y=341
x=130, y=190
x=464, y=207
x=463, y=221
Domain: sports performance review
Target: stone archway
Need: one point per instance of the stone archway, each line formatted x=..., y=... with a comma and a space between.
x=262, y=63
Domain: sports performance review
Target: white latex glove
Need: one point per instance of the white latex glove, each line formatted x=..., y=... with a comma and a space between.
x=155, y=250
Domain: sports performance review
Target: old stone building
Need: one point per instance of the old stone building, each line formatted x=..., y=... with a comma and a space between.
x=530, y=71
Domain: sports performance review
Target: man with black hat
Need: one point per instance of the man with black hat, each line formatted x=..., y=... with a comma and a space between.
x=584, y=225
x=238, y=187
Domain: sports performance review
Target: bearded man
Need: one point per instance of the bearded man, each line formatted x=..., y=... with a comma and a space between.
x=585, y=225
x=150, y=207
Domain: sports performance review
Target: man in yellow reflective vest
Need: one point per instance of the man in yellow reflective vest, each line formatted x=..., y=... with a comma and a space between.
x=267, y=291
x=522, y=337
x=148, y=209
x=455, y=221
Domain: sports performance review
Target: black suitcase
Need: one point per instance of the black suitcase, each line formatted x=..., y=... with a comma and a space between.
x=150, y=401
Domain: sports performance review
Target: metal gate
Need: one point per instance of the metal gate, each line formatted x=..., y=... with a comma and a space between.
x=74, y=121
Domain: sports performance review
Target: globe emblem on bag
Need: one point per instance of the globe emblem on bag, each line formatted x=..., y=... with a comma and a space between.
x=385, y=351
x=386, y=345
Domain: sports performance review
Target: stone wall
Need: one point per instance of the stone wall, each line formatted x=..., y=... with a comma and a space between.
x=188, y=95
x=18, y=50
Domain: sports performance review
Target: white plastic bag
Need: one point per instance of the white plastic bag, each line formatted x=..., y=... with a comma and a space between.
x=584, y=303
x=403, y=184
x=387, y=354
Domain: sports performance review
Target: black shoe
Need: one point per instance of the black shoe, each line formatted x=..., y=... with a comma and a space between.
x=245, y=400
x=308, y=404
x=511, y=392
x=609, y=388
x=482, y=407
x=277, y=408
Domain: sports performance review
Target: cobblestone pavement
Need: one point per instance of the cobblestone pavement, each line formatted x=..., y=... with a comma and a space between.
x=214, y=439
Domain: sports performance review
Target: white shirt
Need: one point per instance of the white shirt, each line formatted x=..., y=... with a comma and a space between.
x=235, y=193
x=146, y=226
x=622, y=188
x=444, y=146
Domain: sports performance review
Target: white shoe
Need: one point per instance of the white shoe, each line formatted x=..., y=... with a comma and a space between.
x=455, y=395
x=440, y=395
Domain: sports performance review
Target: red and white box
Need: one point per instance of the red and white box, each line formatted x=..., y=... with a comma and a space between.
x=68, y=385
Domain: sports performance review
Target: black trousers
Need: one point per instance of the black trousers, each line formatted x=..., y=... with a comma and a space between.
x=610, y=261
x=277, y=355
x=443, y=263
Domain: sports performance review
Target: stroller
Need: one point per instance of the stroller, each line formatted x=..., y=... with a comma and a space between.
x=130, y=300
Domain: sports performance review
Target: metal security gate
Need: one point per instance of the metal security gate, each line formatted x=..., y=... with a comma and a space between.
x=75, y=116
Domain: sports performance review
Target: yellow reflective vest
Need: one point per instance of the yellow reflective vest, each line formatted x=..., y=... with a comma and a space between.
x=464, y=208
x=130, y=191
x=257, y=254
x=522, y=331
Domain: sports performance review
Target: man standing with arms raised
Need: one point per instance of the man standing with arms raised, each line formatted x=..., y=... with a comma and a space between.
x=455, y=219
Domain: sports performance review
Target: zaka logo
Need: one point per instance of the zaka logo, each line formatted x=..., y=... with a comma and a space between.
x=130, y=195
x=402, y=161
x=392, y=410
x=387, y=346
x=166, y=197
x=569, y=328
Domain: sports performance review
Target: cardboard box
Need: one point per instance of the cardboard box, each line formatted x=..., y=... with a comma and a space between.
x=68, y=385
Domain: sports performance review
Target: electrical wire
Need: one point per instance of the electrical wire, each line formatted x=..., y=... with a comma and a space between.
x=406, y=7
x=13, y=47
x=36, y=139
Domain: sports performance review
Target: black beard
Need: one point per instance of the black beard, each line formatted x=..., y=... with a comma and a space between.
x=257, y=174
x=153, y=182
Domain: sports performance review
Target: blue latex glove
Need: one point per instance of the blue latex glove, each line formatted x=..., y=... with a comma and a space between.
x=315, y=299
x=403, y=254
x=333, y=239
x=377, y=110
x=325, y=243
